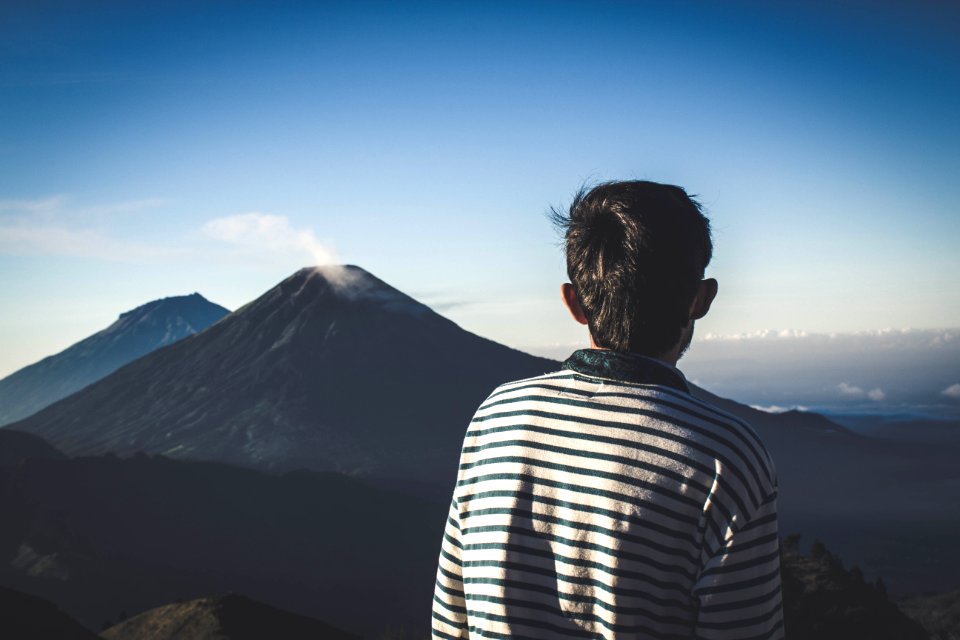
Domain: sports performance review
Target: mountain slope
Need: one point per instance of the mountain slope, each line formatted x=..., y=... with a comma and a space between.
x=892, y=507
x=938, y=613
x=229, y=617
x=16, y=446
x=104, y=537
x=330, y=370
x=134, y=334
x=336, y=370
x=824, y=601
x=27, y=617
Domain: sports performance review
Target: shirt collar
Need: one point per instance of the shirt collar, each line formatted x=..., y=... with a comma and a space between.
x=626, y=367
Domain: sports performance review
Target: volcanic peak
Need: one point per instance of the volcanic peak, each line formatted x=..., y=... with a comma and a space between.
x=344, y=285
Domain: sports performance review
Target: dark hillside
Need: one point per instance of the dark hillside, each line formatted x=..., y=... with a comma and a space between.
x=16, y=446
x=825, y=601
x=101, y=536
x=229, y=617
x=357, y=378
x=26, y=617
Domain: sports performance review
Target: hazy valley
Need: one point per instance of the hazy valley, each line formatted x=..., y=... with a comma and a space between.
x=300, y=451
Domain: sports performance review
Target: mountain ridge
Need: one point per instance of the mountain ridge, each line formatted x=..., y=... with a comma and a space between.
x=228, y=617
x=133, y=334
x=337, y=371
x=331, y=369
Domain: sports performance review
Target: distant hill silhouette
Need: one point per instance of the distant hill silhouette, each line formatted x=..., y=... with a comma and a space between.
x=328, y=370
x=134, y=334
x=884, y=505
x=336, y=370
x=101, y=536
x=229, y=617
x=26, y=617
x=825, y=601
x=939, y=613
x=16, y=446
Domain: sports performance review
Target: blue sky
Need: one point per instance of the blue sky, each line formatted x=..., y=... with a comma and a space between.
x=159, y=149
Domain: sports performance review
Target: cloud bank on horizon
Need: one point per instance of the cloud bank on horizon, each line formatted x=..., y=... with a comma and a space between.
x=906, y=372
x=898, y=372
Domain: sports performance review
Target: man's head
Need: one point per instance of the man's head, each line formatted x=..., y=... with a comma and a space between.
x=636, y=255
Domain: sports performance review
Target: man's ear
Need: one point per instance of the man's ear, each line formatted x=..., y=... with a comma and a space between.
x=573, y=302
x=706, y=292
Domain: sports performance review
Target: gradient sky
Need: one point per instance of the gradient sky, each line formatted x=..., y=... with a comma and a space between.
x=158, y=149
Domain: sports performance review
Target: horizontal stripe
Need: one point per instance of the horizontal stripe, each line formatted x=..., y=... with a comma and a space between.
x=582, y=544
x=731, y=567
x=649, y=611
x=585, y=471
x=437, y=633
x=529, y=479
x=516, y=568
x=720, y=418
x=620, y=442
x=632, y=509
x=724, y=587
x=513, y=603
x=452, y=559
x=635, y=521
x=574, y=524
x=660, y=433
x=744, y=622
x=453, y=577
x=579, y=563
x=535, y=623
x=740, y=604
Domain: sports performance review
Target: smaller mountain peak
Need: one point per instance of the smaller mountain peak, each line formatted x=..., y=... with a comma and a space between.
x=170, y=302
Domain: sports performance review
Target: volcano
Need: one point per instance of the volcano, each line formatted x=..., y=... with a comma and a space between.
x=134, y=334
x=332, y=369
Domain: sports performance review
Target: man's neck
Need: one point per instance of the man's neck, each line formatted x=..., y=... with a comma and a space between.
x=671, y=357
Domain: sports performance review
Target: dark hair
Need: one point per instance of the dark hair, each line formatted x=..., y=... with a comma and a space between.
x=636, y=252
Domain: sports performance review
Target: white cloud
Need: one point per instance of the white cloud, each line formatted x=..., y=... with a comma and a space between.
x=61, y=208
x=266, y=233
x=849, y=389
x=760, y=334
x=40, y=205
x=48, y=226
x=775, y=408
x=878, y=338
x=125, y=206
x=953, y=391
x=24, y=239
x=857, y=392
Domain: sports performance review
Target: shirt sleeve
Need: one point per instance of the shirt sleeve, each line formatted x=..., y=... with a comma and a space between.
x=449, y=606
x=738, y=591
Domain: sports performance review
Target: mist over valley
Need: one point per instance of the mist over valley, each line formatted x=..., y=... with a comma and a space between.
x=297, y=424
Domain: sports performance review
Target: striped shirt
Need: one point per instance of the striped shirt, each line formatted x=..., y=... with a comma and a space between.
x=605, y=501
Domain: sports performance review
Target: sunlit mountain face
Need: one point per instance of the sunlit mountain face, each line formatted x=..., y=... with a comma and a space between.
x=134, y=334
x=332, y=369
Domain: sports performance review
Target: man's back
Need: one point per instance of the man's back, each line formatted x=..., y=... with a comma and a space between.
x=604, y=500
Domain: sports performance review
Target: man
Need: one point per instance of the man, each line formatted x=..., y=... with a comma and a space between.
x=604, y=500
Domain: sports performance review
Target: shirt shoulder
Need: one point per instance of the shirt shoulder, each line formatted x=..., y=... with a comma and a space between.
x=705, y=426
x=544, y=380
